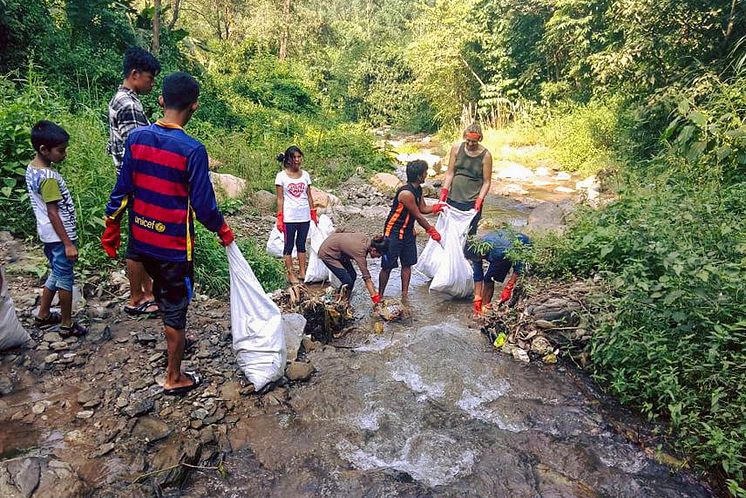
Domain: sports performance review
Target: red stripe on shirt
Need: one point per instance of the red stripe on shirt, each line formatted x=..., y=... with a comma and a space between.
x=159, y=185
x=158, y=239
x=159, y=156
x=164, y=215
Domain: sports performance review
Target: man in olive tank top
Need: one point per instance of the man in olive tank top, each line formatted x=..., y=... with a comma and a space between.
x=469, y=176
x=408, y=206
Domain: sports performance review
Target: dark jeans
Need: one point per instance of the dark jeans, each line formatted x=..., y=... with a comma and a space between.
x=296, y=235
x=346, y=274
x=465, y=206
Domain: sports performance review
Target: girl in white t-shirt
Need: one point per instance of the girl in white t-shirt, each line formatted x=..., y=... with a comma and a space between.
x=294, y=209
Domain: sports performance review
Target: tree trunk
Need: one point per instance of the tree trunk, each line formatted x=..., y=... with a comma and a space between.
x=175, y=14
x=156, y=46
x=285, y=34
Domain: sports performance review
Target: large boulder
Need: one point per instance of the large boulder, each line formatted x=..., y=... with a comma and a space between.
x=512, y=170
x=264, y=201
x=433, y=161
x=323, y=199
x=228, y=186
x=386, y=182
x=547, y=216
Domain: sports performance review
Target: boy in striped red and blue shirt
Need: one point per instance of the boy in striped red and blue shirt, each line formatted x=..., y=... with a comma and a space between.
x=165, y=184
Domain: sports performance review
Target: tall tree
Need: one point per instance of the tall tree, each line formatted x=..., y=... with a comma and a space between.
x=285, y=33
x=156, y=42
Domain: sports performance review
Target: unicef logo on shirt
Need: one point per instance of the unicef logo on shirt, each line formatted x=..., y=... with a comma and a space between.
x=150, y=224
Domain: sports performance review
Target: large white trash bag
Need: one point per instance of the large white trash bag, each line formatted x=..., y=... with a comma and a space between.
x=256, y=324
x=317, y=270
x=432, y=255
x=12, y=333
x=276, y=242
x=454, y=274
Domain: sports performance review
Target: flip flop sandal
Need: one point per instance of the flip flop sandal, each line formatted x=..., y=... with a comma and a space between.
x=74, y=330
x=53, y=319
x=182, y=390
x=141, y=309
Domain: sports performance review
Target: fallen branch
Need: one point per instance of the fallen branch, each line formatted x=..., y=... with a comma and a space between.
x=220, y=469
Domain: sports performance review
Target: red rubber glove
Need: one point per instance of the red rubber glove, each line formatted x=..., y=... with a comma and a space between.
x=508, y=289
x=225, y=234
x=437, y=208
x=443, y=194
x=376, y=298
x=433, y=233
x=111, y=238
x=280, y=223
x=477, y=305
x=314, y=216
x=478, y=203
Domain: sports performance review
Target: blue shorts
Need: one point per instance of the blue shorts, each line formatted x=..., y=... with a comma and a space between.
x=61, y=276
x=400, y=250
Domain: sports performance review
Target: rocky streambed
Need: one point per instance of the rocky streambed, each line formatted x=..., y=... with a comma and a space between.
x=419, y=407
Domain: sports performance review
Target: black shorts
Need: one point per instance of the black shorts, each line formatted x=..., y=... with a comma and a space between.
x=400, y=250
x=172, y=288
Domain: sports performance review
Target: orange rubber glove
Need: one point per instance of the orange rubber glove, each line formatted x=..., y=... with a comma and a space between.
x=225, y=234
x=437, y=208
x=433, y=233
x=478, y=203
x=477, y=305
x=376, y=298
x=508, y=289
x=280, y=223
x=443, y=194
x=111, y=238
x=314, y=216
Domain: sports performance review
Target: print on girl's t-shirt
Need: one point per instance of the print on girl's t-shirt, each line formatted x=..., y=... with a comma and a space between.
x=296, y=189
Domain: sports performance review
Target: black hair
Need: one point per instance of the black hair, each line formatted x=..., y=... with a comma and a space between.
x=415, y=170
x=135, y=58
x=284, y=157
x=48, y=134
x=380, y=244
x=180, y=90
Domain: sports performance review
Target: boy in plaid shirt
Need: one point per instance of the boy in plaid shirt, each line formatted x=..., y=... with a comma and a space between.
x=125, y=114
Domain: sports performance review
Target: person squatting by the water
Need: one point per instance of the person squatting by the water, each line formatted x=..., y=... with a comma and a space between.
x=341, y=248
x=295, y=210
x=492, y=247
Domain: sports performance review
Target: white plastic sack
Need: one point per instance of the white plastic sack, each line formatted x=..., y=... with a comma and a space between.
x=12, y=333
x=276, y=242
x=256, y=324
x=317, y=270
x=432, y=255
x=454, y=274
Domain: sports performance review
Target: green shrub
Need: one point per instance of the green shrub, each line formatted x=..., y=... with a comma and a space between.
x=332, y=153
x=211, y=264
x=674, y=257
x=582, y=139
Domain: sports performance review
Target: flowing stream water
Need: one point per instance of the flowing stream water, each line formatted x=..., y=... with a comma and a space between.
x=428, y=408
